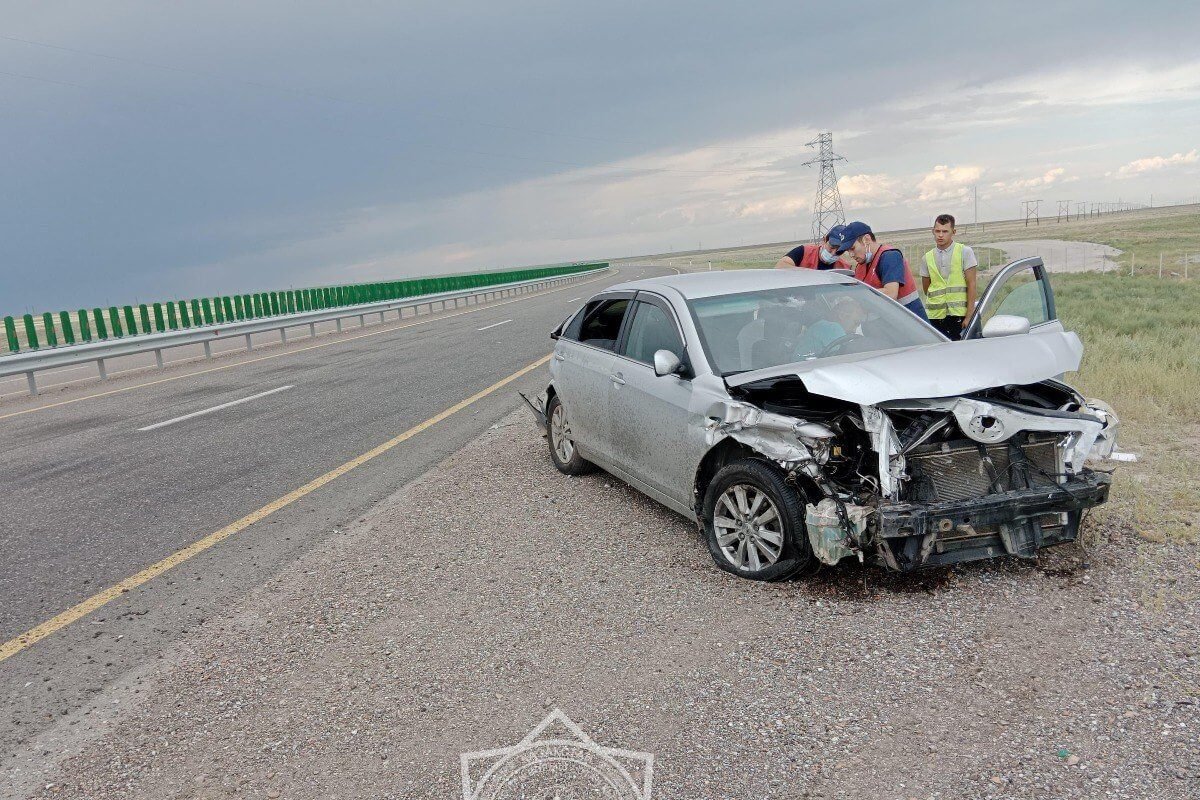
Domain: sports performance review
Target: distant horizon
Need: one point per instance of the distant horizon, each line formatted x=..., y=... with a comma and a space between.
x=962, y=225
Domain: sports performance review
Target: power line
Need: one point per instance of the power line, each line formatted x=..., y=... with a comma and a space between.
x=827, y=208
x=1031, y=211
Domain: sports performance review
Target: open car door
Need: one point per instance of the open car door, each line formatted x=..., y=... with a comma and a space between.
x=1020, y=289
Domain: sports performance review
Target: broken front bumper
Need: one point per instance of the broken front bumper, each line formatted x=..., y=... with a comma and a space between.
x=1017, y=523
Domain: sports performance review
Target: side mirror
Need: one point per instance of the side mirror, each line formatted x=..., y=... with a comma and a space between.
x=666, y=363
x=1005, y=325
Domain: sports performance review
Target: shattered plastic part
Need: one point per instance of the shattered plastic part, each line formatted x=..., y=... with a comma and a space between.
x=887, y=446
x=831, y=542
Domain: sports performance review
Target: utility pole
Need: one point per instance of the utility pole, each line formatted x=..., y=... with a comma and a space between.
x=1031, y=212
x=827, y=208
x=1064, y=210
x=1079, y=209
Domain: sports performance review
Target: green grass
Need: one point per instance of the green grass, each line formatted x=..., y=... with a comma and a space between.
x=1141, y=340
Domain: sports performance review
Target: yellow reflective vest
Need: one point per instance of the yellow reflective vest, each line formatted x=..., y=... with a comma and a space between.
x=947, y=296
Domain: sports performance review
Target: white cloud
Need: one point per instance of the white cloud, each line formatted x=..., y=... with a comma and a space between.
x=1047, y=178
x=1154, y=163
x=867, y=190
x=947, y=183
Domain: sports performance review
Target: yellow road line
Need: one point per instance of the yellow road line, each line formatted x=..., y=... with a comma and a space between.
x=77, y=612
x=302, y=349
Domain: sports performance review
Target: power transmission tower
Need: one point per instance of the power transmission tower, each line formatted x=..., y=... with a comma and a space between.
x=827, y=209
x=1079, y=210
x=1031, y=212
x=1064, y=210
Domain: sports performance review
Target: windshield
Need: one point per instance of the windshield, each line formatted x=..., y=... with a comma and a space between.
x=756, y=330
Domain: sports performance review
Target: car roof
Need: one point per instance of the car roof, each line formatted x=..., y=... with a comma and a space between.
x=694, y=285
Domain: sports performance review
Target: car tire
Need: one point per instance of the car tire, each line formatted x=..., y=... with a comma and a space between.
x=743, y=537
x=563, y=451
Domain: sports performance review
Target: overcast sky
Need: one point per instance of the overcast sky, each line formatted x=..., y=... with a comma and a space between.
x=156, y=150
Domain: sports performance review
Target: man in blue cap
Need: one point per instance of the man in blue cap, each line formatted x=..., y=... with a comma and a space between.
x=815, y=256
x=878, y=265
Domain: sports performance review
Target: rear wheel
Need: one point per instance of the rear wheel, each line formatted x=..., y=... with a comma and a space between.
x=563, y=451
x=754, y=523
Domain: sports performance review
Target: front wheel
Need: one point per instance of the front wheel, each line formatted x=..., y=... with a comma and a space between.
x=563, y=451
x=754, y=523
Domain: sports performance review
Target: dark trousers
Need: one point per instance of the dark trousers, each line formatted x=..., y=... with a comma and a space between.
x=951, y=327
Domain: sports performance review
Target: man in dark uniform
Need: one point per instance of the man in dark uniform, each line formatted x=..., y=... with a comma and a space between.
x=815, y=256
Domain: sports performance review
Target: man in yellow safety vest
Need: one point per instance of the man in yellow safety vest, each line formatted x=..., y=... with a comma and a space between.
x=948, y=280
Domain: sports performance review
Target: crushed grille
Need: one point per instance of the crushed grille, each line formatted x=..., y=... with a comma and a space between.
x=958, y=471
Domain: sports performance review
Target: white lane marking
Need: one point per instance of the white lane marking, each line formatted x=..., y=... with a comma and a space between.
x=215, y=408
x=497, y=325
x=574, y=299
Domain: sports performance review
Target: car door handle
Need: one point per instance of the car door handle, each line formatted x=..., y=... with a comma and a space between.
x=617, y=379
x=559, y=357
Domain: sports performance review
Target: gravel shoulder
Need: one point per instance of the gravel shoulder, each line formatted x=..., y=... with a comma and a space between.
x=458, y=612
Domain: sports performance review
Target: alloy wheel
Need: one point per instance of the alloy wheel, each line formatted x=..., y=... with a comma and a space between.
x=748, y=527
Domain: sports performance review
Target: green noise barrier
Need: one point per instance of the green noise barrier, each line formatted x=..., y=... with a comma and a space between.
x=30, y=332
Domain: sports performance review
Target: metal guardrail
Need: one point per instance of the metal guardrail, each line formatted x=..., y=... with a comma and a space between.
x=30, y=363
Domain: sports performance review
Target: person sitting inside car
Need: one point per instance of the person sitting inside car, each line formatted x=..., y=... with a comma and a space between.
x=844, y=318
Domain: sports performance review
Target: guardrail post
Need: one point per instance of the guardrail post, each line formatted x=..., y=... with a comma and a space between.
x=85, y=331
x=207, y=349
x=249, y=345
x=100, y=367
x=312, y=329
x=101, y=328
x=31, y=336
x=362, y=320
x=10, y=333
x=283, y=335
x=48, y=327
x=114, y=319
x=64, y=319
x=158, y=362
x=339, y=324
x=32, y=381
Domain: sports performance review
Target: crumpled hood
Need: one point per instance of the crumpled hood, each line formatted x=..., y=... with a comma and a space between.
x=937, y=370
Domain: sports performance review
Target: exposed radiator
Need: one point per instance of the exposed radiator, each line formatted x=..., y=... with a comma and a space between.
x=957, y=470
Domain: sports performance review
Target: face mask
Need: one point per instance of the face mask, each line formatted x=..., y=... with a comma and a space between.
x=867, y=255
x=827, y=257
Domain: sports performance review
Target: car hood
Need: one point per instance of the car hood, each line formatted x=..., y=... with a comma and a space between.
x=936, y=370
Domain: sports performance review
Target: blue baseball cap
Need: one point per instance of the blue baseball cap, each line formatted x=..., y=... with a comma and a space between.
x=835, y=233
x=847, y=236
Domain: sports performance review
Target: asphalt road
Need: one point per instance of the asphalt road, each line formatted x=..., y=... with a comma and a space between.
x=89, y=499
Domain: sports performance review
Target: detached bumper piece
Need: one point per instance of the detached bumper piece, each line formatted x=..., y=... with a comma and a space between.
x=1017, y=523
x=538, y=407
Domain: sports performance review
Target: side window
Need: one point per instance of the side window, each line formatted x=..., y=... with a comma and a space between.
x=600, y=323
x=651, y=330
x=1022, y=294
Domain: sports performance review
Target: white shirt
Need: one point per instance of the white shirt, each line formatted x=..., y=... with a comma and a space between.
x=942, y=259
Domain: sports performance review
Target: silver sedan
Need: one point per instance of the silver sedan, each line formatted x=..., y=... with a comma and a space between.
x=801, y=417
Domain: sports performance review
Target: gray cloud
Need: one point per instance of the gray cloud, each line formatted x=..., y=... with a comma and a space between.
x=229, y=146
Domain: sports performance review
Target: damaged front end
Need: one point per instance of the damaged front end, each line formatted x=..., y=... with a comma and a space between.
x=925, y=482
